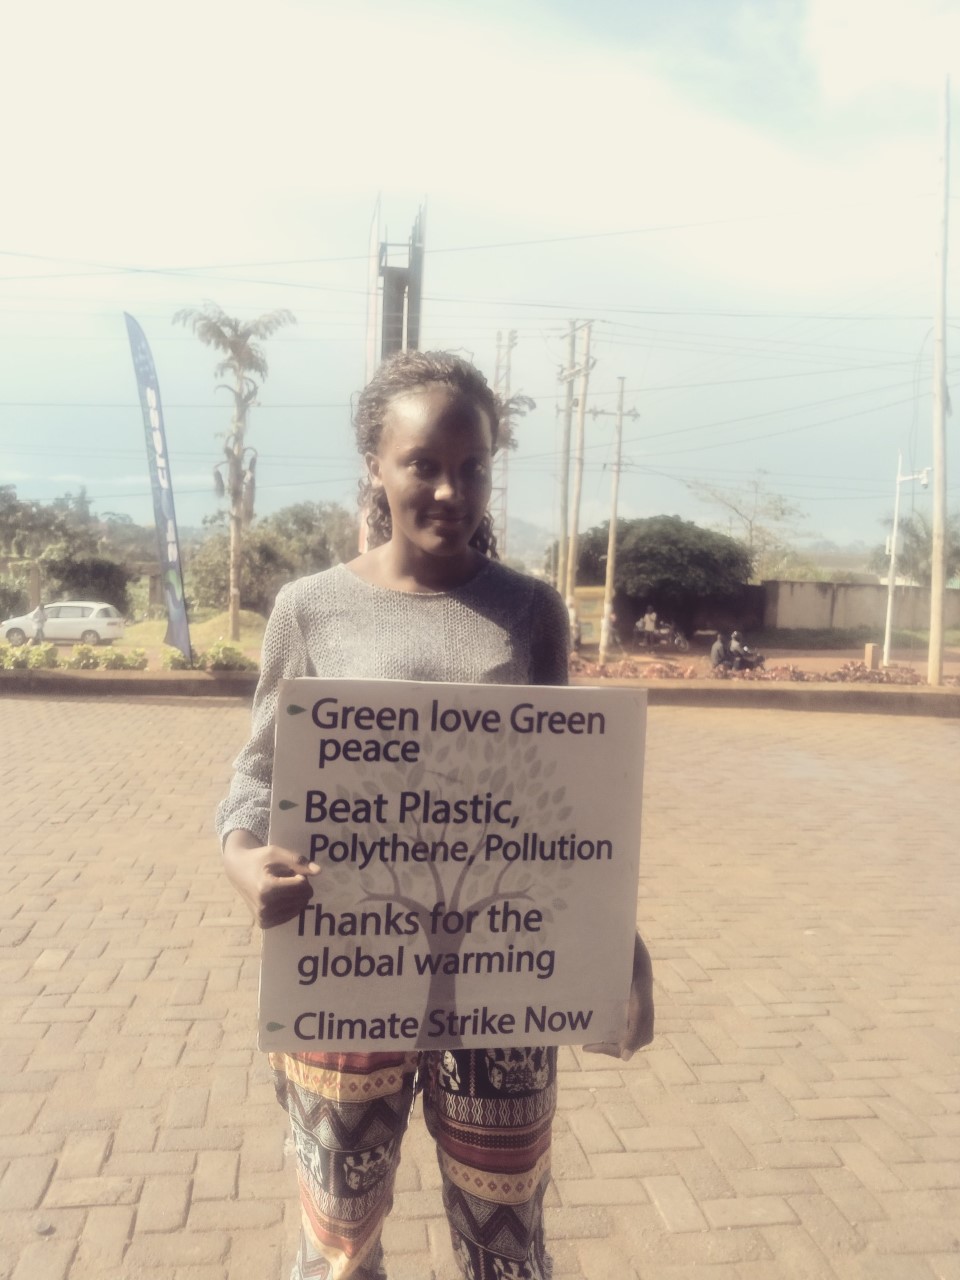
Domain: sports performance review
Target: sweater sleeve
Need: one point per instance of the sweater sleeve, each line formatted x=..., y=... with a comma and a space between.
x=247, y=803
x=550, y=642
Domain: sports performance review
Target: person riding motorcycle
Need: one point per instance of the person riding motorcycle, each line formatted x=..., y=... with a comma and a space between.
x=744, y=658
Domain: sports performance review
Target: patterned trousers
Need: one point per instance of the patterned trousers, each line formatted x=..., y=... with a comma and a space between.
x=490, y=1113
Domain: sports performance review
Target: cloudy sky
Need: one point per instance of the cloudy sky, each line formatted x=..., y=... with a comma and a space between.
x=743, y=198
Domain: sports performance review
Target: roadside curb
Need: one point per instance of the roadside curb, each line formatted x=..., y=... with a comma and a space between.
x=126, y=684
x=875, y=699
x=825, y=695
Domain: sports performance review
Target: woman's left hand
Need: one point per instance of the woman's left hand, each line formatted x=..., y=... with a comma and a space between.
x=639, y=1029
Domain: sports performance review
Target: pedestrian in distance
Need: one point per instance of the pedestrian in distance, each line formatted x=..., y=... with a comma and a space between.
x=575, y=630
x=428, y=601
x=645, y=629
x=718, y=653
x=39, y=622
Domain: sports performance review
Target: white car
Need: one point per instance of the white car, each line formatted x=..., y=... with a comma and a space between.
x=68, y=621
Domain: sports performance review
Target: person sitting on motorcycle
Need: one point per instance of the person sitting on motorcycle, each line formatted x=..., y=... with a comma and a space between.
x=718, y=653
x=744, y=658
x=646, y=628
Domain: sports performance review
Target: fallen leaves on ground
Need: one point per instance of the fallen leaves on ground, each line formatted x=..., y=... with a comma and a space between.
x=628, y=669
x=860, y=673
x=848, y=673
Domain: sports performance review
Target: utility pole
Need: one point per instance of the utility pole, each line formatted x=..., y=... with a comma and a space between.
x=585, y=366
x=938, y=550
x=373, y=297
x=606, y=621
x=501, y=387
x=608, y=592
x=566, y=376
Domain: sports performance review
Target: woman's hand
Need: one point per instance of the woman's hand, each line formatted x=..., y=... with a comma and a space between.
x=273, y=882
x=639, y=1029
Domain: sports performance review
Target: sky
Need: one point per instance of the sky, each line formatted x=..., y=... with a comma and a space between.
x=744, y=198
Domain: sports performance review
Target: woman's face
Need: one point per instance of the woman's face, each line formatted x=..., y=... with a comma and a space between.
x=433, y=464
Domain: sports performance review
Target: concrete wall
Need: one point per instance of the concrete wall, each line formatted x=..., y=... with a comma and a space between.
x=846, y=605
x=744, y=612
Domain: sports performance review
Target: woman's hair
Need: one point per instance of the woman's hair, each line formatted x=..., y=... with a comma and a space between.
x=399, y=375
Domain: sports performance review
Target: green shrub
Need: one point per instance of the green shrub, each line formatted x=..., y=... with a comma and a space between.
x=225, y=657
x=14, y=657
x=8, y=653
x=120, y=660
x=174, y=660
x=114, y=660
x=42, y=657
x=83, y=658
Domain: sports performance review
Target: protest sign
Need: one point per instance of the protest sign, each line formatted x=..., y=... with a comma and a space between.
x=479, y=851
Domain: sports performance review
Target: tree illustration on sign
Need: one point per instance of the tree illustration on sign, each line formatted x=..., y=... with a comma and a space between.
x=467, y=889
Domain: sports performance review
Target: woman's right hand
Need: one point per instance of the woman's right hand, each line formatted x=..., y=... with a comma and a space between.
x=273, y=882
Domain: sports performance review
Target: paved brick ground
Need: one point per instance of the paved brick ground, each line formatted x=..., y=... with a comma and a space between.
x=797, y=1116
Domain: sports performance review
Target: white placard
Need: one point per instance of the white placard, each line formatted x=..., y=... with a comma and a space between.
x=479, y=849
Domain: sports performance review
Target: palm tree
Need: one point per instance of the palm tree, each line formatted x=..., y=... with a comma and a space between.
x=235, y=477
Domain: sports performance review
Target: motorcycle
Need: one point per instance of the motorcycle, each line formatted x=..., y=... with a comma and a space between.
x=666, y=634
x=747, y=660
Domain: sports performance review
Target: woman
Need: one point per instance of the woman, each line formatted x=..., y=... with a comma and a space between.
x=427, y=601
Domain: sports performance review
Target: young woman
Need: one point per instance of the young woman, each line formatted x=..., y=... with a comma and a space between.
x=428, y=601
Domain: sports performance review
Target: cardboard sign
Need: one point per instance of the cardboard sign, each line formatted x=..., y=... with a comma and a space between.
x=479, y=850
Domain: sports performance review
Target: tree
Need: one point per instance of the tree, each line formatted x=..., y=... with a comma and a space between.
x=75, y=551
x=307, y=537
x=28, y=529
x=120, y=537
x=764, y=521
x=517, y=406
x=314, y=535
x=14, y=598
x=76, y=510
x=264, y=568
x=58, y=542
x=668, y=562
x=916, y=549
x=243, y=357
x=88, y=578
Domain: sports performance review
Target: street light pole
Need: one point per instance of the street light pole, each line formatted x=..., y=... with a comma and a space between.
x=573, y=540
x=567, y=377
x=606, y=623
x=940, y=403
x=922, y=476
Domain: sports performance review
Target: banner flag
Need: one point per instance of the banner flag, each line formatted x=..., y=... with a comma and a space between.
x=168, y=544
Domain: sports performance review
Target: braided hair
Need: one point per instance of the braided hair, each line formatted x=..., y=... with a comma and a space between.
x=399, y=375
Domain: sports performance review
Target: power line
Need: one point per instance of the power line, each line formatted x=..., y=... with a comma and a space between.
x=116, y=404
x=192, y=493
x=766, y=413
x=787, y=431
x=652, y=229
x=184, y=273
x=538, y=396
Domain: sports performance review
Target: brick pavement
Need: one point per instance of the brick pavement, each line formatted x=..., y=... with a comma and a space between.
x=798, y=1114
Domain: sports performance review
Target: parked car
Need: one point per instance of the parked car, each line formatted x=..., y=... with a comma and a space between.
x=68, y=621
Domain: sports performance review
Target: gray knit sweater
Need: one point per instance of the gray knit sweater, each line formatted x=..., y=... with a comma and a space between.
x=502, y=627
